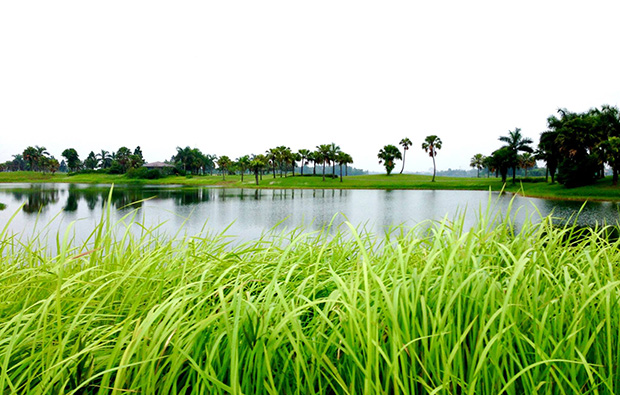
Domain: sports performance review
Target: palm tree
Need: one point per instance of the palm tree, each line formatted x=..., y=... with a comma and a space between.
x=549, y=151
x=323, y=155
x=224, y=163
x=105, y=158
x=406, y=143
x=35, y=156
x=526, y=160
x=304, y=154
x=333, y=155
x=515, y=142
x=387, y=155
x=478, y=161
x=183, y=157
x=314, y=157
x=430, y=145
x=244, y=164
x=272, y=155
x=257, y=164
x=343, y=159
x=295, y=157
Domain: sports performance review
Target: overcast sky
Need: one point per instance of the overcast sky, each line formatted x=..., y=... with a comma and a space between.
x=238, y=77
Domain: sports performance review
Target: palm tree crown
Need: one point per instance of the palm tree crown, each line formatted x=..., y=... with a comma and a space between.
x=515, y=142
x=387, y=155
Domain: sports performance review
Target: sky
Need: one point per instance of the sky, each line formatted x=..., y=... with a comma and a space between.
x=239, y=77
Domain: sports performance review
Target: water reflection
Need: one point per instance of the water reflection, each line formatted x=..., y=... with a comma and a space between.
x=255, y=210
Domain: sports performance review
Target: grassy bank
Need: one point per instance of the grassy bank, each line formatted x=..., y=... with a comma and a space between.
x=602, y=190
x=443, y=310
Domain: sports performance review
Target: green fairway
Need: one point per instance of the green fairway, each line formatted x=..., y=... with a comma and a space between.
x=602, y=190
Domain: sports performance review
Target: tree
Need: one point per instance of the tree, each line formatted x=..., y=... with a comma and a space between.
x=257, y=164
x=387, y=155
x=515, y=142
x=243, y=163
x=314, y=158
x=478, y=161
x=105, y=159
x=136, y=159
x=406, y=143
x=548, y=150
x=123, y=159
x=578, y=139
x=323, y=155
x=34, y=156
x=272, y=157
x=91, y=161
x=332, y=156
x=430, y=145
x=224, y=163
x=526, y=160
x=73, y=160
x=183, y=157
x=501, y=160
x=304, y=154
x=343, y=159
x=611, y=148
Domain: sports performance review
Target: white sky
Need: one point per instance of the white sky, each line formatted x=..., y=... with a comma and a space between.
x=238, y=77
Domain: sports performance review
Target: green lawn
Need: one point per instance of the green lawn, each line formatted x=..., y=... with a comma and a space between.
x=602, y=190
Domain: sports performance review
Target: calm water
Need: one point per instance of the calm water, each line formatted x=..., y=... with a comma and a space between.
x=251, y=212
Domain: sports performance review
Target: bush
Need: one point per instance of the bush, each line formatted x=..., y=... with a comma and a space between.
x=144, y=173
x=575, y=173
x=116, y=168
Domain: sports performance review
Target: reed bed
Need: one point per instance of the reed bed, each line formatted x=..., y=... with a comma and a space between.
x=438, y=309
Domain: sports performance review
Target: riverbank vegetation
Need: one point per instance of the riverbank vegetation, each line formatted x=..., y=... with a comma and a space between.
x=603, y=189
x=437, y=309
x=579, y=147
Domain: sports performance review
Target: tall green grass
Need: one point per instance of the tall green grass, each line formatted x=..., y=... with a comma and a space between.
x=439, y=309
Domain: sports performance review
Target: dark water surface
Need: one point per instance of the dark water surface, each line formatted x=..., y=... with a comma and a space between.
x=251, y=211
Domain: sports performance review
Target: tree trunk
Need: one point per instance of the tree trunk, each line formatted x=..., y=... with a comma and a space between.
x=340, y=172
x=256, y=176
x=514, y=174
x=323, y=170
x=434, y=168
x=403, y=168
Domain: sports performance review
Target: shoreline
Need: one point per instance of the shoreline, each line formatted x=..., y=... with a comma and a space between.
x=602, y=191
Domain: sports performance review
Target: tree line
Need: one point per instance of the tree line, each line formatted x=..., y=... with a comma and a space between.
x=192, y=161
x=576, y=147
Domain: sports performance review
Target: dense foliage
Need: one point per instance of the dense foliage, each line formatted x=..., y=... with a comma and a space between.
x=440, y=309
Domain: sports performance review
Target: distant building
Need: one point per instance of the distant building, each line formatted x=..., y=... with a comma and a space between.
x=164, y=168
x=158, y=165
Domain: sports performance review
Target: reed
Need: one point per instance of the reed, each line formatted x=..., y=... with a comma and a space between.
x=438, y=309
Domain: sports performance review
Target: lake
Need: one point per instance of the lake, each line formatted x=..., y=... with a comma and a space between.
x=247, y=213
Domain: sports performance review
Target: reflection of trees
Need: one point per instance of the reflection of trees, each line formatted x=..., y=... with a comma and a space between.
x=72, y=203
x=185, y=197
x=36, y=198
